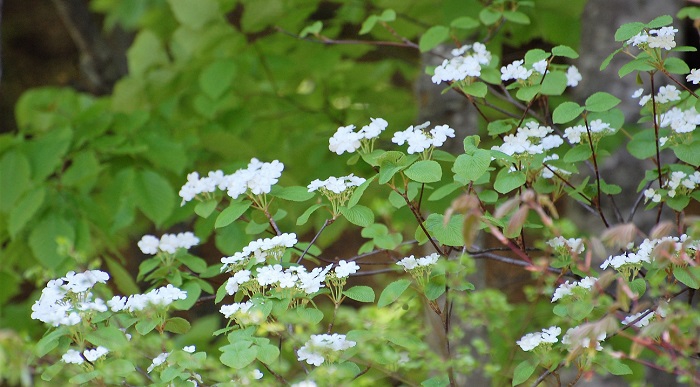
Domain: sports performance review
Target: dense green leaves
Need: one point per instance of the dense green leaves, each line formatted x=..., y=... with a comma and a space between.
x=154, y=196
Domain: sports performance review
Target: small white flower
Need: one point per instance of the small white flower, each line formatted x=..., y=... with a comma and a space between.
x=256, y=374
x=693, y=77
x=72, y=356
x=532, y=340
x=149, y=244
x=344, y=140
x=344, y=269
x=93, y=354
x=189, y=349
x=573, y=77
x=158, y=360
x=515, y=70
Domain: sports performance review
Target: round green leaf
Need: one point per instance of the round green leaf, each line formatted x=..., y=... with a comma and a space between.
x=392, y=292
x=432, y=37
x=358, y=215
x=566, y=112
x=230, y=214
x=424, y=171
x=360, y=293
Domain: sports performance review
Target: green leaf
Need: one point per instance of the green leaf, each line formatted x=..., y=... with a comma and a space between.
x=639, y=64
x=527, y=93
x=313, y=29
x=193, y=290
x=566, y=112
x=601, y=101
x=357, y=194
x=121, y=367
x=294, y=193
x=82, y=172
x=205, y=208
x=85, y=377
x=609, y=59
x=311, y=316
x=25, y=210
x=477, y=89
x=449, y=233
x=217, y=77
x=507, y=181
x=268, y=353
x=369, y=24
x=578, y=153
x=358, y=215
x=14, y=178
x=146, y=52
x=122, y=278
x=230, y=214
x=676, y=66
x=628, y=30
x=516, y=17
x=660, y=22
x=44, y=236
x=238, y=355
x=614, y=366
x=688, y=152
x=489, y=16
x=146, y=325
x=464, y=23
x=391, y=163
x=392, y=292
x=688, y=275
x=50, y=341
x=554, y=83
x=177, y=325
x=436, y=381
x=564, y=51
x=154, y=196
x=195, y=13
x=471, y=167
x=52, y=371
x=389, y=15
x=46, y=154
x=432, y=37
x=108, y=336
x=535, y=55
x=443, y=191
x=424, y=171
x=303, y=218
x=360, y=293
x=610, y=189
x=523, y=371
x=500, y=126
x=638, y=286
x=642, y=145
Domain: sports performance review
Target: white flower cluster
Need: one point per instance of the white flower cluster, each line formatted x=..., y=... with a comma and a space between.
x=532, y=340
x=585, y=341
x=666, y=94
x=65, y=300
x=644, y=321
x=466, y=62
x=680, y=183
x=158, y=360
x=410, y=262
x=260, y=250
x=529, y=140
x=346, y=139
x=230, y=310
x=325, y=347
x=598, y=129
x=680, y=121
x=419, y=140
x=573, y=76
x=91, y=355
x=567, y=289
x=693, y=77
x=516, y=71
x=156, y=298
x=336, y=185
x=258, y=178
x=344, y=269
x=656, y=38
x=630, y=262
x=574, y=245
x=293, y=277
x=548, y=173
x=168, y=243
